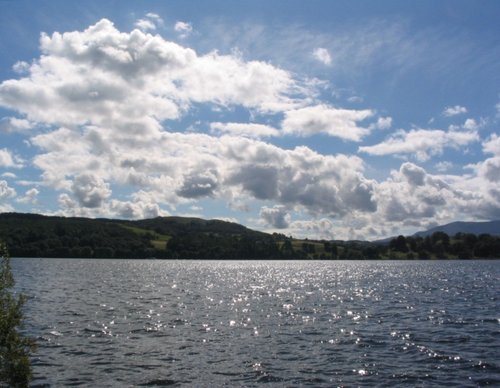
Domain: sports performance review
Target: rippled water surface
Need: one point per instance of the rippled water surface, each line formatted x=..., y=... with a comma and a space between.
x=188, y=323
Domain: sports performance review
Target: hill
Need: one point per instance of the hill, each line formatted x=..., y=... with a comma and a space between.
x=451, y=229
x=477, y=228
x=33, y=235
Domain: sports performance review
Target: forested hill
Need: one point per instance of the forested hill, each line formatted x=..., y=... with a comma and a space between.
x=32, y=235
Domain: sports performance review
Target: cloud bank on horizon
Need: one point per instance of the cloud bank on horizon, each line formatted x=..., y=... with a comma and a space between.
x=137, y=123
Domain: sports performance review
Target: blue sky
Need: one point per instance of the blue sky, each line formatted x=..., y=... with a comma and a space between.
x=326, y=119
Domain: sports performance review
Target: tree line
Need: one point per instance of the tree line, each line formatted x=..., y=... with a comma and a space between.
x=440, y=245
x=29, y=235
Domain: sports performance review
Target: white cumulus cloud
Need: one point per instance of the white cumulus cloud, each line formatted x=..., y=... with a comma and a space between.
x=183, y=28
x=145, y=24
x=323, y=56
x=454, y=110
x=21, y=67
x=150, y=22
x=13, y=124
x=277, y=216
x=90, y=191
x=136, y=80
x=492, y=145
x=252, y=130
x=324, y=119
x=423, y=143
x=382, y=123
x=322, y=228
x=31, y=196
x=7, y=159
x=6, y=191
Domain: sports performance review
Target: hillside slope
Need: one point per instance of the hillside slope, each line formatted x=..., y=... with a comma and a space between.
x=487, y=227
x=33, y=235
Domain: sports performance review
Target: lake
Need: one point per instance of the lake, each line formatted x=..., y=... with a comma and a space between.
x=309, y=323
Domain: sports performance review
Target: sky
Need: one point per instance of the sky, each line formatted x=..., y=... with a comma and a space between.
x=319, y=119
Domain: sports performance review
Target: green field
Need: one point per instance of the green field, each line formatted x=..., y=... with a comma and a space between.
x=158, y=241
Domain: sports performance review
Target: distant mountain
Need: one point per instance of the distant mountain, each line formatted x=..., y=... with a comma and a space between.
x=488, y=227
x=451, y=229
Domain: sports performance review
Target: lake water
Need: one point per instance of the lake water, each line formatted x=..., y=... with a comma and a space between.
x=190, y=323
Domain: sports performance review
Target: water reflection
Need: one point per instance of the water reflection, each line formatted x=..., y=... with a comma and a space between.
x=115, y=323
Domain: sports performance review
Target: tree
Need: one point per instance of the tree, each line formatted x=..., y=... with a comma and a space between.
x=15, y=349
x=441, y=236
x=461, y=251
x=399, y=244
